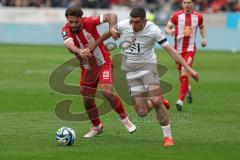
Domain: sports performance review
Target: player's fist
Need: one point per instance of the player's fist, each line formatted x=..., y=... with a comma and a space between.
x=84, y=54
x=204, y=43
x=114, y=33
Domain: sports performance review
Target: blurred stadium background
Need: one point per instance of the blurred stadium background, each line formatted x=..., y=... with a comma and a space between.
x=31, y=48
x=40, y=21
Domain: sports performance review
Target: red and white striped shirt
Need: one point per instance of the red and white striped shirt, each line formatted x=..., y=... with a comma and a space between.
x=186, y=26
x=88, y=33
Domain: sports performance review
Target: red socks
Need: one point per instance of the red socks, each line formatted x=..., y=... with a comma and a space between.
x=184, y=82
x=93, y=116
x=118, y=107
x=92, y=111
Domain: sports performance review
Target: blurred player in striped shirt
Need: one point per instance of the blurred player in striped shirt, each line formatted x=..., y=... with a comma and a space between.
x=183, y=26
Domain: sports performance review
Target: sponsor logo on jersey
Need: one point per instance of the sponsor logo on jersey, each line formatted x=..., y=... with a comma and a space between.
x=187, y=31
x=106, y=74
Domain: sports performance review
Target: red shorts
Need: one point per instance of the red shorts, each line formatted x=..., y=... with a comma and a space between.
x=91, y=77
x=188, y=57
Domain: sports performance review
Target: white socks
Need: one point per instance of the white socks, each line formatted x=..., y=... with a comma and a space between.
x=167, y=131
x=180, y=102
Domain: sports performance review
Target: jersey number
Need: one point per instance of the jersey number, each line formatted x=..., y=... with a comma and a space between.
x=135, y=47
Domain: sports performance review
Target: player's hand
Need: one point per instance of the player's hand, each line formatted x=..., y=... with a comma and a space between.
x=91, y=46
x=84, y=54
x=114, y=32
x=204, y=43
x=172, y=32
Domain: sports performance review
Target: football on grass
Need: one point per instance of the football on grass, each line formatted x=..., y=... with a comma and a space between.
x=65, y=136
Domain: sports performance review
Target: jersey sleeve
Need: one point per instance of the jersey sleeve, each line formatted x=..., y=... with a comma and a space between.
x=173, y=18
x=95, y=20
x=66, y=34
x=160, y=37
x=200, y=21
x=120, y=26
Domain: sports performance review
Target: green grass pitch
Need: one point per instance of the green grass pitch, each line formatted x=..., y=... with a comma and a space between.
x=209, y=129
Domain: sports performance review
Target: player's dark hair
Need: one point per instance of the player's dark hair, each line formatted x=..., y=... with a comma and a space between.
x=74, y=11
x=138, y=12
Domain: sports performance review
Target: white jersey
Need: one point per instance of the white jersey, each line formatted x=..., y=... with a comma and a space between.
x=138, y=47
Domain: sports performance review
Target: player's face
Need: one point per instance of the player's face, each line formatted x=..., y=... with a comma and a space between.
x=187, y=5
x=74, y=23
x=138, y=23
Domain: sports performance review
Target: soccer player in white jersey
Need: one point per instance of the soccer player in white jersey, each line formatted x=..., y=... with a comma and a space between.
x=183, y=26
x=139, y=61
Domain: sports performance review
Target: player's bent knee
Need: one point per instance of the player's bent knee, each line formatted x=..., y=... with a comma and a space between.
x=156, y=101
x=87, y=91
x=106, y=89
x=107, y=93
x=142, y=113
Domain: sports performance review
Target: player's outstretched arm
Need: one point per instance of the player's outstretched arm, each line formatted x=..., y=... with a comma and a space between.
x=169, y=29
x=176, y=56
x=110, y=18
x=83, y=54
x=204, y=35
x=103, y=37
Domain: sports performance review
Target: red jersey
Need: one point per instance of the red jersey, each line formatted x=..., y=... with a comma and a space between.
x=88, y=33
x=186, y=26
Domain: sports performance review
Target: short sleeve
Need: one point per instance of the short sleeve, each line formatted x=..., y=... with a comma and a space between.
x=95, y=20
x=173, y=19
x=121, y=26
x=160, y=37
x=200, y=20
x=66, y=34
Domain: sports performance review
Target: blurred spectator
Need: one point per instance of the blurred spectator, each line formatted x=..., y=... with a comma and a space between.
x=96, y=3
x=205, y=6
x=119, y=2
x=39, y=3
x=151, y=15
x=59, y=3
x=21, y=3
x=232, y=5
x=136, y=3
x=177, y=5
x=75, y=3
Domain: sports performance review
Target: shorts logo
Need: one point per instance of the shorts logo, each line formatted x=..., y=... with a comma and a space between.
x=106, y=74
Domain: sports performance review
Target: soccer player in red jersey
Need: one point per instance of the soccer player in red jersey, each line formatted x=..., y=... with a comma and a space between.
x=183, y=26
x=81, y=38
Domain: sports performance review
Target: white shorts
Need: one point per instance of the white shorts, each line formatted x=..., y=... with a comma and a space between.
x=139, y=81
